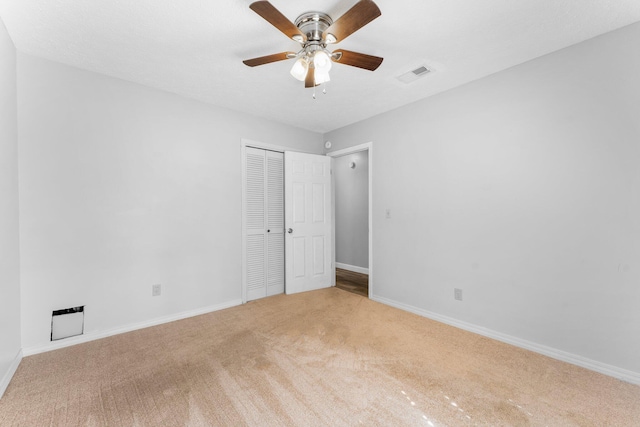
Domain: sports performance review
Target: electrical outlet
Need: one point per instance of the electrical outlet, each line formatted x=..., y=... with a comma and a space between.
x=457, y=294
x=156, y=290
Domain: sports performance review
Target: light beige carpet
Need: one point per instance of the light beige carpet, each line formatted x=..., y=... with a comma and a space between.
x=323, y=358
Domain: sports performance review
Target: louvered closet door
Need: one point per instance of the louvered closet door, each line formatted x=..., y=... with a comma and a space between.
x=264, y=223
x=275, y=222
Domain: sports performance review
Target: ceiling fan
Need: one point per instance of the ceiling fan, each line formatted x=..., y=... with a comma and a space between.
x=314, y=31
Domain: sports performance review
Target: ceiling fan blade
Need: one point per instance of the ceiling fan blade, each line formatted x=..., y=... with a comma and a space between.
x=355, y=18
x=278, y=20
x=310, y=80
x=268, y=59
x=355, y=59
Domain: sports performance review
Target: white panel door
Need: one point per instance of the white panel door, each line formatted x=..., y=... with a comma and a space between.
x=263, y=223
x=308, y=221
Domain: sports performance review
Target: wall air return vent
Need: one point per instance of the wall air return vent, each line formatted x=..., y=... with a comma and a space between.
x=413, y=75
x=67, y=323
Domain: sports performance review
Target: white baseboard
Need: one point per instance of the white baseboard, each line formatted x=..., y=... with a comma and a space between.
x=67, y=342
x=603, y=368
x=6, y=379
x=353, y=268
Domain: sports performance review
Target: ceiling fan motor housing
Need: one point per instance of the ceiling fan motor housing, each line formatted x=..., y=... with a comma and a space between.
x=313, y=24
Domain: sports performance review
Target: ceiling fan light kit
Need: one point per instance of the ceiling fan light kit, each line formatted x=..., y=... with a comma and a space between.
x=300, y=68
x=314, y=31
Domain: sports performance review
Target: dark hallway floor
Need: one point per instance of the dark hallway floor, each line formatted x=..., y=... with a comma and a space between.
x=350, y=281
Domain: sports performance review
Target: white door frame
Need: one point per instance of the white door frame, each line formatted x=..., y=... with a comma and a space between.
x=244, y=143
x=367, y=146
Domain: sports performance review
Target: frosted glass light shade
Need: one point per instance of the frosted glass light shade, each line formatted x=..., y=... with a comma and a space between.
x=299, y=69
x=321, y=77
x=322, y=62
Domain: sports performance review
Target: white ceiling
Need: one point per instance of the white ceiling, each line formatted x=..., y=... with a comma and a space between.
x=195, y=48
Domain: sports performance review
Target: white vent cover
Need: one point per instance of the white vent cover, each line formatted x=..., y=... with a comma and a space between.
x=66, y=323
x=413, y=75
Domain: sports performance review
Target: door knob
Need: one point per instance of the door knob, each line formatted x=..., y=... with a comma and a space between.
x=290, y=230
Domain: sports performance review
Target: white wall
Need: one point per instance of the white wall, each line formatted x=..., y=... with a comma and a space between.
x=9, y=238
x=123, y=187
x=352, y=209
x=523, y=190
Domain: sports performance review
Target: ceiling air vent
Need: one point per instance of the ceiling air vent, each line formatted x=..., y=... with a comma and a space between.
x=413, y=75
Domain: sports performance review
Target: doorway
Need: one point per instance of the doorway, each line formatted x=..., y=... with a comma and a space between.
x=352, y=190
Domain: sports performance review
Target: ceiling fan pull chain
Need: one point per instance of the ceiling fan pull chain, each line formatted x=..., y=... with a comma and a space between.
x=314, y=92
